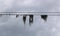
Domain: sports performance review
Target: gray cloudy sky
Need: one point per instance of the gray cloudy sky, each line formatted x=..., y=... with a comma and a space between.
x=12, y=26
x=29, y=5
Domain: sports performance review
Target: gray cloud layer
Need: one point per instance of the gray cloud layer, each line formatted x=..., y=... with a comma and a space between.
x=29, y=5
x=11, y=26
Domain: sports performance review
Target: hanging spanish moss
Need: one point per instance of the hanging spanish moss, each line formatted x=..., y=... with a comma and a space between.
x=24, y=19
x=44, y=17
x=0, y=15
x=30, y=19
x=17, y=16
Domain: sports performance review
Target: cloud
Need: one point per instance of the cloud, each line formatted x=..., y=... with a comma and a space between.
x=34, y=5
x=12, y=26
x=5, y=4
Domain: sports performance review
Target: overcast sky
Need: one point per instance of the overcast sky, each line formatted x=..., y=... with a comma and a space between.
x=12, y=26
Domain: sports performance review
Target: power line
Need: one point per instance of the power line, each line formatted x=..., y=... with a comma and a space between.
x=31, y=13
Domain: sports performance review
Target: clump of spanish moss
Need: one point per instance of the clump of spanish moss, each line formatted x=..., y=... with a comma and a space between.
x=30, y=19
x=0, y=15
x=44, y=17
x=17, y=16
x=24, y=19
